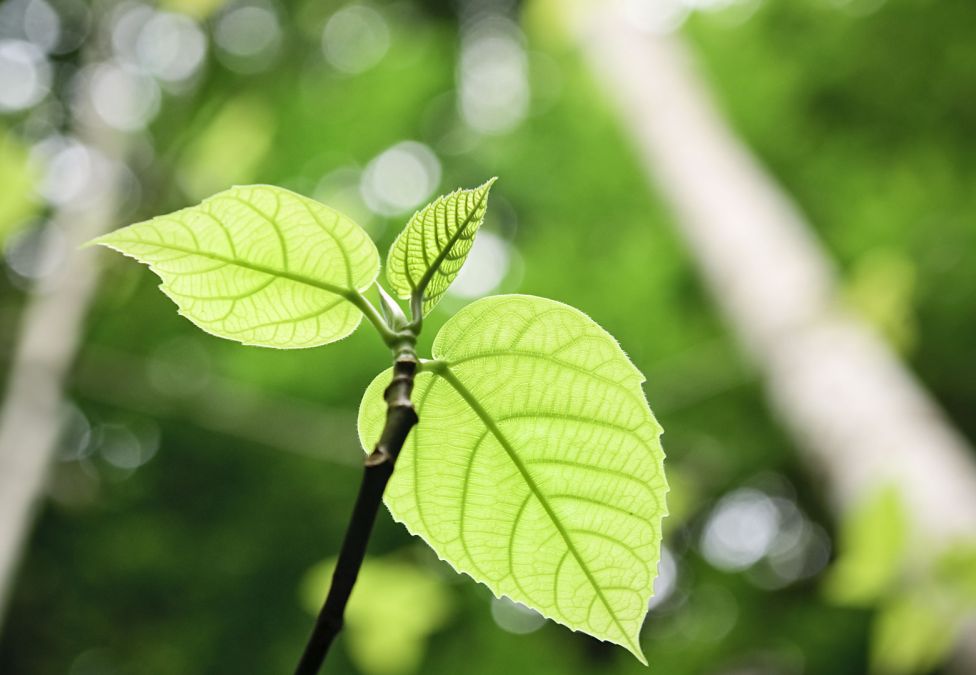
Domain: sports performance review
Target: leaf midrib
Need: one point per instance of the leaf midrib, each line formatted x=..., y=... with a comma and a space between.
x=445, y=372
x=347, y=293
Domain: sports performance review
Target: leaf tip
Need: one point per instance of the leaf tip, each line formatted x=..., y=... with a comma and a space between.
x=102, y=240
x=638, y=652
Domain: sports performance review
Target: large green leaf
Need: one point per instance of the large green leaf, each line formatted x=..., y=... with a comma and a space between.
x=258, y=264
x=536, y=467
x=429, y=252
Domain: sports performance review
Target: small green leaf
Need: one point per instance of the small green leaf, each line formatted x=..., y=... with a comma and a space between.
x=258, y=264
x=392, y=313
x=429, y=252
x=536, y=467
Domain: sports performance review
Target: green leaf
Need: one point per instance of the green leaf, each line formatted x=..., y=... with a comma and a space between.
x=258, y=264
x=432, y=248
x=536, y=467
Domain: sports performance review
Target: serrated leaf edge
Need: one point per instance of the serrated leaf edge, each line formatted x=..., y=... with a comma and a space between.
x=421, y=287
x=432, y=367
x=353, y=295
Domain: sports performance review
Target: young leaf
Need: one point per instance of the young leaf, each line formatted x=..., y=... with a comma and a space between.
x=431, y=249
x=258, y=264
x=536, y=467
